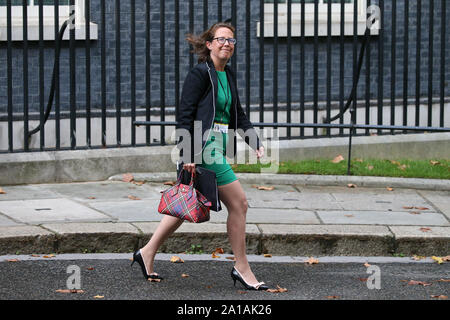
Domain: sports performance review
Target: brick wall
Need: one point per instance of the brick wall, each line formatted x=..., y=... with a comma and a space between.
x=269, y=73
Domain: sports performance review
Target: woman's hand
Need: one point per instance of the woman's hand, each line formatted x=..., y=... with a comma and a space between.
x=260, y=152
x=190, y=167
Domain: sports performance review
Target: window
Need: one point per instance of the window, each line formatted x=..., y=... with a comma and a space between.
x=309, y=18
x=48, y=21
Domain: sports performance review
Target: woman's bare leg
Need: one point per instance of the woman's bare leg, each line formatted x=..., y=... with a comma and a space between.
x=166, y=227
x=233, y=196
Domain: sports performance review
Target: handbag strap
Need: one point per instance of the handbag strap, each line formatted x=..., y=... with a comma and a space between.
x=191, y=183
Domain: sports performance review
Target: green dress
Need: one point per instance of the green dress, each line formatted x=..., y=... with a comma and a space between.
x=215, y=149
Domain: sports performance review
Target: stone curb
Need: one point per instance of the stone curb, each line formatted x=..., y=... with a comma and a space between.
x=276, y=239
x=311, y=180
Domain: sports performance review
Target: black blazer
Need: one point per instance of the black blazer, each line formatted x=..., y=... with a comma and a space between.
x=198, y=103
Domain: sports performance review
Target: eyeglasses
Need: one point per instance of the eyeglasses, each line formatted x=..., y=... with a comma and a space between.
x=222, y=40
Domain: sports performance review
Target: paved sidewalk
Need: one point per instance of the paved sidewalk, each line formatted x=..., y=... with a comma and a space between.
x=301, y=216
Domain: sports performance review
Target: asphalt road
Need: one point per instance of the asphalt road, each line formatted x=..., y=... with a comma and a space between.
x=113, y=279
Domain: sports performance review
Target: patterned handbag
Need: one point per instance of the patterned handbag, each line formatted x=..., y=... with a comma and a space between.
x=184, y=202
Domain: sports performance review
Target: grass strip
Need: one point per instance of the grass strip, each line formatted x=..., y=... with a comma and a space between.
x=402, y=168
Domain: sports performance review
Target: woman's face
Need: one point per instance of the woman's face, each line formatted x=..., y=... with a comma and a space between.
x=221, y=51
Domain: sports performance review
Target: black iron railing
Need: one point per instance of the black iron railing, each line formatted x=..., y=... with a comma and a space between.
x=171, y=20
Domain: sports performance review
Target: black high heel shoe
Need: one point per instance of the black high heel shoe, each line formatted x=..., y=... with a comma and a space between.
x=137, y=257
x=235, y=275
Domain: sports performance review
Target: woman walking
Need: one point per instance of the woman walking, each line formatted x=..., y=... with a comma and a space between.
x=210, y=96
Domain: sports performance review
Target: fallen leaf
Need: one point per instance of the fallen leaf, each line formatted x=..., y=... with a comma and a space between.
x=242, y=292
x=395, y=162
x=349, y=215
x=446, y=258
x=98, y=297
x=176, y=259
x=267, y=255
x=170, y=183
x=351, y=185
x=49, y=256
x=184, y=275
x=218, y=251
x=338, y=159
x=363, y=279
x=34, y=255
x=408, y=207
x=133, y=198
x=281, y=289
x=69, y=291
x=441, y=297
x=90, y=268
x=91, y=198
x=138, y=183
x=231, y=258
x=2, y=192
x=278, y=290
x=433, y=163
x=266, y=188
x=425, y=229
x=214, y=255
x=414, y=212
x=13, y=260
x=437, y=259
x=312, y=261
x=389, y=189
x=370, y=168
x=421, y=208
x=332, y=297
x=154, y=280
x=127, y=177
x=421, y=283
x=443, y=280
x=359, y=160
x=417, y=258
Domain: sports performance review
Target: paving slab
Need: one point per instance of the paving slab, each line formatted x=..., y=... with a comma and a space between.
x=301, y=216
x=373, y=200
x=439, y=199
x=95, y=237
x=27, y=192
x=294, y=216
x=104, y=190
x=262, y=215
x=304, y=200
x=5, y=221
x=420, y=232
x=49, y=210
x=423, y=241
x=420, y=218
x=278, y=192
x=130, y=210
x=326, y=239
x=26, y=239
